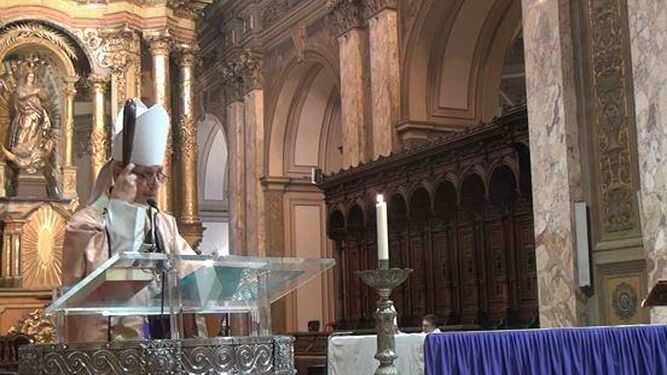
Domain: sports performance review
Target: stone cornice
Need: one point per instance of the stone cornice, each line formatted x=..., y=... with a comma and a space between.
x=192, y=9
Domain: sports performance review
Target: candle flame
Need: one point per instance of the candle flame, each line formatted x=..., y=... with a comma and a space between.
x=380, y=198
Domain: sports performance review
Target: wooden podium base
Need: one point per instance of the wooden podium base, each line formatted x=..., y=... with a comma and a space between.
x=220, y=355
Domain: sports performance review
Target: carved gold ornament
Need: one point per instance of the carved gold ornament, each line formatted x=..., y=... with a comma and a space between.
x=23, y=33
x=40, y=327
x=43, y=237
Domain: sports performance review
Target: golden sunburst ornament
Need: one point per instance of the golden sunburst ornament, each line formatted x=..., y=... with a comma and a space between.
x=43, y=237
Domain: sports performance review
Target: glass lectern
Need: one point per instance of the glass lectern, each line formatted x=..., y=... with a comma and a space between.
x=143, y=284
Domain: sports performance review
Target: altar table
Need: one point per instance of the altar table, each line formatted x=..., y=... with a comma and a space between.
x=627, y=350
x=354, y=355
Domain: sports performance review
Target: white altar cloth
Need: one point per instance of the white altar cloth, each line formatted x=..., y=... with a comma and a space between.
x=354, y=355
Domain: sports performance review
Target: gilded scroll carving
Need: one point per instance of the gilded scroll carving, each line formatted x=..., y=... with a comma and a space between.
x=611, y=115
x=37, y=325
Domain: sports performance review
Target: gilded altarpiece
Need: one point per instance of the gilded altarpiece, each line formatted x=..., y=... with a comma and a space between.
x=38, y=77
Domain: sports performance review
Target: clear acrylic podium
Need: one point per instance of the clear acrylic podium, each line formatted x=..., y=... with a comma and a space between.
x=142, y=284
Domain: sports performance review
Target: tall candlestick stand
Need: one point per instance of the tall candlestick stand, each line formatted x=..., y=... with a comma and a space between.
x=384, y=280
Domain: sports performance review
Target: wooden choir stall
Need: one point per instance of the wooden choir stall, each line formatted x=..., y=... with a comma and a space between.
x=460, y=215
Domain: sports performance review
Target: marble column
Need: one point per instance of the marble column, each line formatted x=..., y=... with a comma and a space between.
x=99, y=138
x=68, y=170
x=237, y=192
x=648, y=39
x=237, y=207
x=555, y=158
x=347, y=21
x=189, y=223
x=385, y=76
x=254, y=170
x=243, y=78
x=159, y=46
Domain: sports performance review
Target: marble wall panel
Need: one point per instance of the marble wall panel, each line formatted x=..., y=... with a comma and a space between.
x=648, y=41
x=555, y=163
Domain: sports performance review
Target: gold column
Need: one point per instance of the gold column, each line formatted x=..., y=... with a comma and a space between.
x=160, y=47
x=98, y=137
x=69, y=171
x=125, y=53
x=189, y=223
x=11, y=270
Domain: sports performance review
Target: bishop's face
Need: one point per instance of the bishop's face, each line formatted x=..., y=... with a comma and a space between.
x=149, y=180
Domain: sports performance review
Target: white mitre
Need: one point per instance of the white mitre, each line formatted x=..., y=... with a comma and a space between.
x=150, y=135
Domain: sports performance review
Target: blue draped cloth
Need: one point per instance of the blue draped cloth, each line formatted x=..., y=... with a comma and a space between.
x=624, y=350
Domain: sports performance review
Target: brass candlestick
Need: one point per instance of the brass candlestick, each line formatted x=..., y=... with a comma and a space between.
x=384, y=280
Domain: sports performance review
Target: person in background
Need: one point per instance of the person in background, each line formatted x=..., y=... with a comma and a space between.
x=430, y=324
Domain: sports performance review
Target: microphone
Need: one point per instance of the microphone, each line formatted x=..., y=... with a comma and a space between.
x=159, y=246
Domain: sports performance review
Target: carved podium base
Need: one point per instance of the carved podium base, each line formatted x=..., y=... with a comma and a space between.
x=221, y=355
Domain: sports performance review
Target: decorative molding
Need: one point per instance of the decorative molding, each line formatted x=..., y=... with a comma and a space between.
x=299, y=40
x=187, y=137
x=374, y=7
x=273, y=10
x=17, y=34
x=98, y=82
x=227, y=355
x=115, y=49
x=186, y=55
x=159, y=42
x=192, y=9
x=625, y=301
x=345, y=15
x=613, y=115
x=241, y=74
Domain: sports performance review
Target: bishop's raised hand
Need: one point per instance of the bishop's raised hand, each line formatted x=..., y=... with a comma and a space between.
x=125, y=186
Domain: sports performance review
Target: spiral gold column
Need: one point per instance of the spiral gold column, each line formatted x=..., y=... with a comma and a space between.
x=189, y=223
x=98, y=138
x=160, y=47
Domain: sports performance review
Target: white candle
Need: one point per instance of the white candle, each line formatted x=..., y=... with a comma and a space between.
x=382, y=231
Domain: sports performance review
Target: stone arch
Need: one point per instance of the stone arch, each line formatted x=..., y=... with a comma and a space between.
x=213, y=181
x=306, y=113
x=213, y=153
x=454, y=60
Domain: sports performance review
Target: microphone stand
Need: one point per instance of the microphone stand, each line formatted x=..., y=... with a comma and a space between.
x=159, y=326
